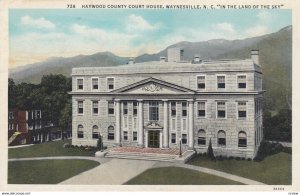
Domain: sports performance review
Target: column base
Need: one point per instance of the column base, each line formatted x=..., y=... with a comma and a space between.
x=141, y=145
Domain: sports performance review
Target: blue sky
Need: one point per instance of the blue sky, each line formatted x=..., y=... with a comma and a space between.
x=37, y=34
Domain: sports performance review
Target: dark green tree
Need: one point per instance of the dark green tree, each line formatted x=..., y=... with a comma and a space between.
x=210, y=152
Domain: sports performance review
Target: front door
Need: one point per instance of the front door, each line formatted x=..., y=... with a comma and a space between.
x=153, y=139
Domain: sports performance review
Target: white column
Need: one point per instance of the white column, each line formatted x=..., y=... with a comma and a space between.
x=166, y=128
x=160, y=139
x=141, y=123
x=118, y=122
x=191, y=124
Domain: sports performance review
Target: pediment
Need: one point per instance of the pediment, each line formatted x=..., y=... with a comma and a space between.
x=153, y=86
x=153, y=125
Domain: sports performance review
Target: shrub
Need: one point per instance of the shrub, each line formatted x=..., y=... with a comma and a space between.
x=210, y=152
x=249, y=159
x=237, y=158
x=266, y=149
x=231, y=157
x=66, y=145
x=287, y=150
x=243, y=158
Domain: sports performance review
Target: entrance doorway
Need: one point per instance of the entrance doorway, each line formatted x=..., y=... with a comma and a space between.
x=153, y=139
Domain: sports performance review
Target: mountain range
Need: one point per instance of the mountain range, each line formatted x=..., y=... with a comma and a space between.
x=275, y=52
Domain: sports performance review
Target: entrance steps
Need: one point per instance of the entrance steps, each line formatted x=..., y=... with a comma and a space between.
x=155, y=156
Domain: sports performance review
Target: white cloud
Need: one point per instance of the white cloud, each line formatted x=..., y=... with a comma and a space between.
x=41, y=23
x=225, y=27
x=264, y=16
x=137, y=23
x=256, y=31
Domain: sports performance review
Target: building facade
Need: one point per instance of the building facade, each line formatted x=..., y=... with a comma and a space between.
x=161, y=104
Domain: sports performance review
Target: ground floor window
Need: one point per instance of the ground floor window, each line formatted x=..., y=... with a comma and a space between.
x=125, y=135
x=80, y=131
x=134, y=136
x=201, y=137
x=95, y=132
x=173, y=138
x=111, y=133
x=184, y=139
x=221, y=138
x=242, y=139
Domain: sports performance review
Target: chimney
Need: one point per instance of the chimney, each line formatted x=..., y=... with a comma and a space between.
x=197, y=59
x=162, y=59
x=130, y=61
x=255, y=56
x=175, y=54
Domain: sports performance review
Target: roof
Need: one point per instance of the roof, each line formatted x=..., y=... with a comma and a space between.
x=168, y=67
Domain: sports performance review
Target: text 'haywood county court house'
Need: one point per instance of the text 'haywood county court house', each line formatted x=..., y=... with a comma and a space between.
x=159, y=104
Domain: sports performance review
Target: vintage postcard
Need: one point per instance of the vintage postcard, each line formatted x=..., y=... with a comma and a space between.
x=142, y=96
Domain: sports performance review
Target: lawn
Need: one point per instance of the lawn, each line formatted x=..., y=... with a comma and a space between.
x=274, y=170
x=48, y=149
x=178, y=176
x=46, y=171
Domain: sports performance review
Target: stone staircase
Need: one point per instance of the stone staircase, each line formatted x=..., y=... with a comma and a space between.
x=150, y=156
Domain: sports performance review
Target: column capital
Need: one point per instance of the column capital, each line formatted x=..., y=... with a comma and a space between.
x=190, y=100
x=165, y=100
x=139, y=100
x=117, y=100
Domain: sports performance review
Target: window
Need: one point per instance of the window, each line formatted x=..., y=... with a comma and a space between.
x=80, y=131
x=184, y=124
x=134, y=136
x=242, y=110
x=134, y=104
x=201, y=137
x=125, y=122
x=134, y=123
x=110, y=83
x=80, y=84
x=184, y=139
x=111, y=133
x=125, y=135
x=10, y=126
x=153, y=111
x=38, y=114
x=221, y=138
x=201, y=109
x=80, y=107
x=11, y=115
x=201, y=82
x=184, y=109
x=111, y=108
x=242, y=139
x=95, y=107
x=95, y=83
x=173, y=108
x=173, y=138
x=173, y=124
x=241, y=79
x=221, y=109
x=125, y=108
x=95, y=132
x=221, y=82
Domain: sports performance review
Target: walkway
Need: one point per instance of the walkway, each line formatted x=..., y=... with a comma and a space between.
x=119, y=171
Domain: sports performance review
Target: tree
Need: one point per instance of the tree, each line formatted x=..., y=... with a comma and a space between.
x=210, y=152
x=65, y=120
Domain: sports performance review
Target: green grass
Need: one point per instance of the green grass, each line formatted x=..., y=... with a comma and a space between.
x=273, y=170
x=48, y=149
x=178, y=176
x=46, y=171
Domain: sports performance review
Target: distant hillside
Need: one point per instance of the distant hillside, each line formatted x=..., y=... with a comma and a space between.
x=275, y=59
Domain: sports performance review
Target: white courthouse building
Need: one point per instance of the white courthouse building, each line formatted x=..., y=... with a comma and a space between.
x=161, y=103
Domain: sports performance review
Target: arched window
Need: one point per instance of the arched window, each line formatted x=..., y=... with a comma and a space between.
x=201, y=137
x=111, y=133
x=95, y=132
x=221, y=138
x=80, y=131
x=242, y=139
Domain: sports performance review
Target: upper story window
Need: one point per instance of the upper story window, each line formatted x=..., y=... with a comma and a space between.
x=221, y=110
x=80, y=84
x=134, y=107
x=242, y=110
x=173, y=108
x=201, y=109
x=200, y=82
x=95, y=107
x=110, y=83
x=95, y=83
x=241, y=80
x=221, y=82
x=10, y=115
x=80, y=107
x=111, y=108
x=184, y=109
x=125, y=108
x=153, y=111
